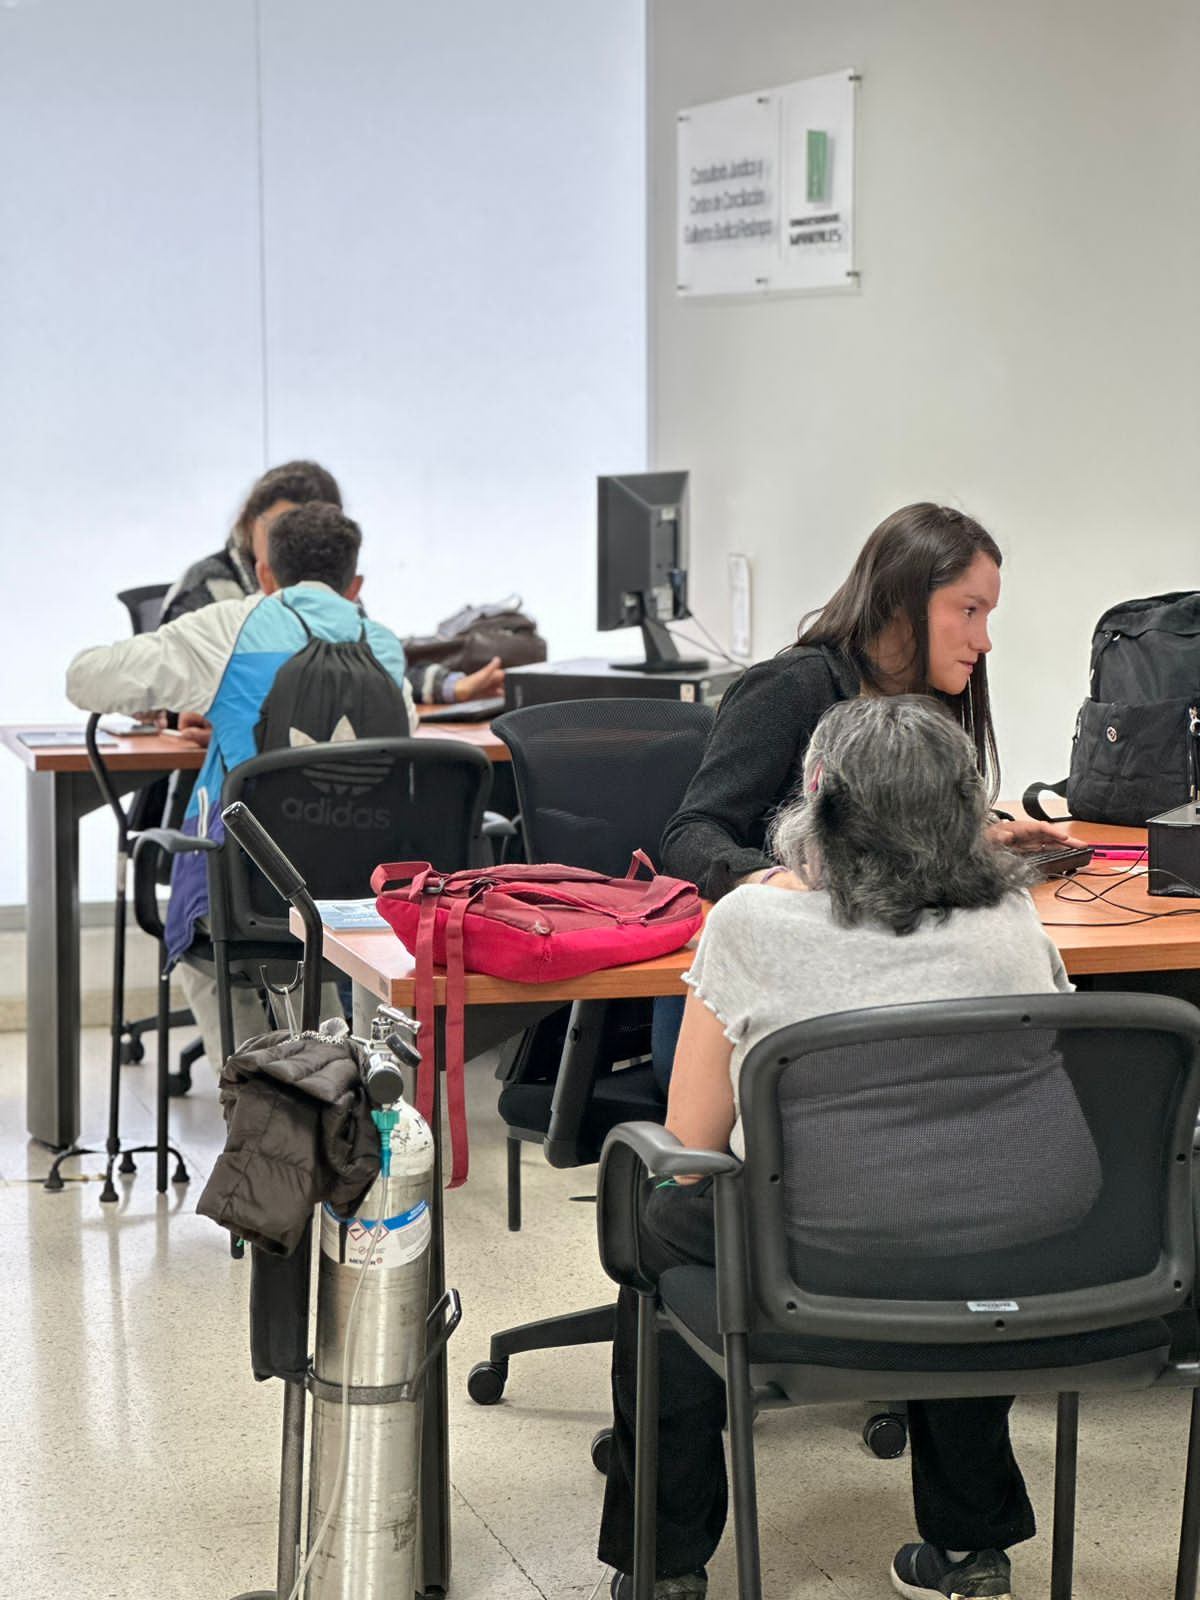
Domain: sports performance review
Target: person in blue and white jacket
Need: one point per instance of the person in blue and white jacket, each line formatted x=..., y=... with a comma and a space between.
x=216, y=666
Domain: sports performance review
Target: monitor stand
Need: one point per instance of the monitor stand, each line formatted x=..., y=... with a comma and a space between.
x=662, y=653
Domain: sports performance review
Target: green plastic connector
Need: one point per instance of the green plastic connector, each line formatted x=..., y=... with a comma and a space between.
x=385, y=1121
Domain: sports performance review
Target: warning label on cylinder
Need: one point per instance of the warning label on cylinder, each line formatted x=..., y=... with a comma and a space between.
x=347, y=1240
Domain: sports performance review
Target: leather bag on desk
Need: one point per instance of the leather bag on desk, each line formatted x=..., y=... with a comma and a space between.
x=469, y=639
x=531, y=924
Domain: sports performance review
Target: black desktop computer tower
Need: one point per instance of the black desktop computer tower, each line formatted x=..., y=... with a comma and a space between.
x=599, y=680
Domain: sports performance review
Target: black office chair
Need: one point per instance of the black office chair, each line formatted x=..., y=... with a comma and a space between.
x=337, y=811
x=787, y=1321
x=596, y=780
x=144, y=605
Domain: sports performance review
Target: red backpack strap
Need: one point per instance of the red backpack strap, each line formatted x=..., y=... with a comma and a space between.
x=413, y=873
x=456, y=1088
x=426, y=1012
x=637, y=860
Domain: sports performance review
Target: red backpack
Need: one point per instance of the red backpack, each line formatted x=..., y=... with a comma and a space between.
x=534, y=924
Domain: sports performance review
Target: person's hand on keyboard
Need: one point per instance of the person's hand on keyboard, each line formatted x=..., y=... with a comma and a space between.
x=489, y=680
x=1026, y=834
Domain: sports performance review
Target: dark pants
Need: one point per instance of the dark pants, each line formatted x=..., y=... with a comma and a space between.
x=666, y=1021
x=968, y=1492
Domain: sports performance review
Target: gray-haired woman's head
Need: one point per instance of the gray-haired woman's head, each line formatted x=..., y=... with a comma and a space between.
x=892, y=817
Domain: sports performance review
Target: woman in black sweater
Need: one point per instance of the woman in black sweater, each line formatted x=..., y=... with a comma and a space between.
x=911, y=618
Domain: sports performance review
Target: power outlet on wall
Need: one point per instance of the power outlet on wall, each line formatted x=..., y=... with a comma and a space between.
x=739, y=607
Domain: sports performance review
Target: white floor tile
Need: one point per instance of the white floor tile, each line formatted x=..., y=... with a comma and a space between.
x=140, y=1457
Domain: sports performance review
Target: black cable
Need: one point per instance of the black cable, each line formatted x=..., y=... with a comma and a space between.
x=1137, y=915
x=711, y=644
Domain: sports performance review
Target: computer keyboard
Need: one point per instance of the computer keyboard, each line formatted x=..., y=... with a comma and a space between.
x=1057, y=860
x=466, y=710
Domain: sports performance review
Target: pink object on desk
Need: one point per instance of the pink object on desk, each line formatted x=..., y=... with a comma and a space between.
x=1118, y=852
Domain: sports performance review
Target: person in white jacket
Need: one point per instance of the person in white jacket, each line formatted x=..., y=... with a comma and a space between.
x=216, y=667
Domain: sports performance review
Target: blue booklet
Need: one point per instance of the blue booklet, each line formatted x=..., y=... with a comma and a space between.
x=350, y=914
x=60, y=738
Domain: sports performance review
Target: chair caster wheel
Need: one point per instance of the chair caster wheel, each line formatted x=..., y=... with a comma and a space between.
x=180, y=1175
x=485, y=1382
x=133, y=1052
x=885, y=1435
x=601, y=1449
x=128, y=1165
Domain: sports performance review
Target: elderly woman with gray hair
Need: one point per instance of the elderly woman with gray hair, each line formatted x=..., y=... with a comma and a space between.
x=907, y=900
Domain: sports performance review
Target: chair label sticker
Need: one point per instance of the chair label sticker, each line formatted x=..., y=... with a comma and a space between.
x=993, y=1305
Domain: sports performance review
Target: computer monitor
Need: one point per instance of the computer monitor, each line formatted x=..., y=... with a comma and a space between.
x=642, y=564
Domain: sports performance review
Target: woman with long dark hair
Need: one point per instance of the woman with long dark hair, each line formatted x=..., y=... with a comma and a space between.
x=911, y=617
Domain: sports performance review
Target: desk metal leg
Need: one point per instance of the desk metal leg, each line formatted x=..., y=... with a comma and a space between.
x=54, y=803
x=433, y=1566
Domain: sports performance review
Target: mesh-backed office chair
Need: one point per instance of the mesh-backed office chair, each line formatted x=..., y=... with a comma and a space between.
x=596, y=780
x=336, y=810
x=144, y=605
x=786, y=1320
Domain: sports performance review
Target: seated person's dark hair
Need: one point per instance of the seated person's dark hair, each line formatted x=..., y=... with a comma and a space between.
x=314, y=543
x=299, y=481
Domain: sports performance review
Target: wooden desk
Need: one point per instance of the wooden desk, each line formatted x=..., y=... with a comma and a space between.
x=376, y=960
x=59, y=790
x=1091, y=937
x=1105, y=936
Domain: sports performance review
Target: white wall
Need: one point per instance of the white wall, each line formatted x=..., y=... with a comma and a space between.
x=437, y=289
x=1026, y=343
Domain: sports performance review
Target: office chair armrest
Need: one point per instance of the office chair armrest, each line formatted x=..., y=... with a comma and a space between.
x=632, y=1151
x=663, y=1156
x=146, y=844
x=174, y=841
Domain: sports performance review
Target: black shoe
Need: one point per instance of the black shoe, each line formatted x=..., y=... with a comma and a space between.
x=691, y=1586
x=923, y=1572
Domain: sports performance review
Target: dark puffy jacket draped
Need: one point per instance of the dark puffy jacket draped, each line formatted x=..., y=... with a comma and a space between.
x=300, y=1134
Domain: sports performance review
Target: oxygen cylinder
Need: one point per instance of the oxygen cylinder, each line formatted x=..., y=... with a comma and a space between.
x=369, y=1549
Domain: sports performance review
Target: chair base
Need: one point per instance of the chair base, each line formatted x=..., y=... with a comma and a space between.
x=179, y=1083
x=133, y=1050
x=487, y=1379
x=885, y=1433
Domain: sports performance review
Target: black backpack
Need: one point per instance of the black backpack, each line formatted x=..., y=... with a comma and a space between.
x=1135, y=750
x=328, y=692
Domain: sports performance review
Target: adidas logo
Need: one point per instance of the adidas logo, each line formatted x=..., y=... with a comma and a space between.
x=350, y=778
x=330, y=813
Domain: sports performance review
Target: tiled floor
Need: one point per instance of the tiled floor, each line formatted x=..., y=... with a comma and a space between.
x=139, y=1458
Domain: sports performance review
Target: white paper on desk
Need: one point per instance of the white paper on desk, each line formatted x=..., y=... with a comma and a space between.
x=117, y=722
x=345, y=914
